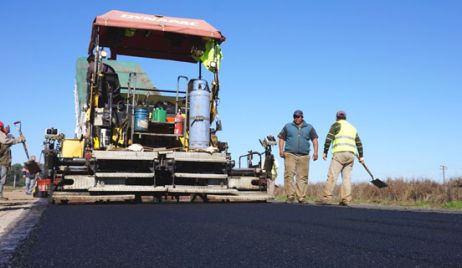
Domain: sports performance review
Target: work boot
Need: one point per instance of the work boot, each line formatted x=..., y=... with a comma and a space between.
x=290, y=200
x=301, y=201
x=343, y=204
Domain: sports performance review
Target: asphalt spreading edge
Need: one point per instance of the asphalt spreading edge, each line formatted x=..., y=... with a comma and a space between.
x=19, y=231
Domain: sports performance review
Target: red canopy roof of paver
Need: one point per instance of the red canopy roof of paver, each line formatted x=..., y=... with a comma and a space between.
x=151, y=36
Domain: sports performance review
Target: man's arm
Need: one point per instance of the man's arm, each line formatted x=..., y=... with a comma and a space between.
x=282, y=137
x=334, y=129
x=314, y=140
x=315, y=148
x=359, y=147
x=281, y=147
x=8, y=141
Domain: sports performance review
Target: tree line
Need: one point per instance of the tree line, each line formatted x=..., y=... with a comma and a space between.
x=15, y=172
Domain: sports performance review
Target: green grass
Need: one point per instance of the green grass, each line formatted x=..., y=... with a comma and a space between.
x=453, y=204
x=409, y=204
x=283, y=198
x=426, y=204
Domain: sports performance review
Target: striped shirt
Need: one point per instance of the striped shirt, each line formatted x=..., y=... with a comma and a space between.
x=334, y=130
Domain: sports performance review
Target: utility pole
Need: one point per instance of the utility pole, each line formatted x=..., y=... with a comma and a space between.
x=444, y=168
x=448, y=187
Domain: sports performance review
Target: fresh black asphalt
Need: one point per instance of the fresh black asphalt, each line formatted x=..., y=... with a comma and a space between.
x=240, y=235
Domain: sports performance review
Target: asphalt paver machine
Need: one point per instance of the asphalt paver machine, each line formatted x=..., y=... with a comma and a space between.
x=133, y=139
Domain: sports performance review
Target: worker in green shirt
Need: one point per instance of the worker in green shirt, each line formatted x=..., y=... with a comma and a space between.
x=345, y=144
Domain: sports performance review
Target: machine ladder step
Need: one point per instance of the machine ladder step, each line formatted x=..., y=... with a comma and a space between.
x=127, y=175
x=201, y=190
x=128, y=188
x=201, y=176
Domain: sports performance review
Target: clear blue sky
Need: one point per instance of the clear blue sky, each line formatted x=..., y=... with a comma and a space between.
x=395, y=67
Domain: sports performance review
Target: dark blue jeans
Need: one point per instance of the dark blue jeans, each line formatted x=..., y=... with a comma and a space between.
x=30, y=183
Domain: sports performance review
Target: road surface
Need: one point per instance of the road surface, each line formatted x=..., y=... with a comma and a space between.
x=240, y=235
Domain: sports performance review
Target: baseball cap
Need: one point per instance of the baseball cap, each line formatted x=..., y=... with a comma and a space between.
x=341, y=114
x=298, y=113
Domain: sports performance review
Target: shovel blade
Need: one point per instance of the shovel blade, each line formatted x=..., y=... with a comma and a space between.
x=379, y=183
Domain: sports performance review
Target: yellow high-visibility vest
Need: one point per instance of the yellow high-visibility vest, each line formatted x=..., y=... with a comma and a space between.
x=345, y=139
x=211, y=57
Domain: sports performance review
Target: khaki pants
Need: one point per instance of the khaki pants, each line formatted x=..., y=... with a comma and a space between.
x=297, y=166
x=342, y=162
x=270, y=185
x=3, y=173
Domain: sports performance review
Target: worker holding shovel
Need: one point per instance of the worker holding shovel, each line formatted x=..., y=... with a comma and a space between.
x=31, y=172
x=6, y=141
x=345, y=142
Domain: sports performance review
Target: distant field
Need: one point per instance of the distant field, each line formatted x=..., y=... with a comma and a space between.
x=402, y=192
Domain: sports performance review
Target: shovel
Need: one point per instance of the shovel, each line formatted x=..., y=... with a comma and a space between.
x=377, y=182
x=17, y=124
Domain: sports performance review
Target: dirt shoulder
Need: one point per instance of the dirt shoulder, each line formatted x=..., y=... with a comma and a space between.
x=18, y=215
x=11, y=210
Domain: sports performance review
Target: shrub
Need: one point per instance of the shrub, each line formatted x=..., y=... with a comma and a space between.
x=400, y=191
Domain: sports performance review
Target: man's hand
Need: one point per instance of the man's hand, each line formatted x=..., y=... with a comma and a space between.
x=21, y=138
x=315, y=156
x=324, y=156
x=361, y=160
x=281, y=148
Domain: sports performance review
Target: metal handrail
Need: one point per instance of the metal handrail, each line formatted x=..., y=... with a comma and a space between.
x=158, y=90
x=178, y=90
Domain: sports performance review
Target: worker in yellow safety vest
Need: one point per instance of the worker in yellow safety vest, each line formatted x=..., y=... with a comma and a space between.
x=346, y=143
